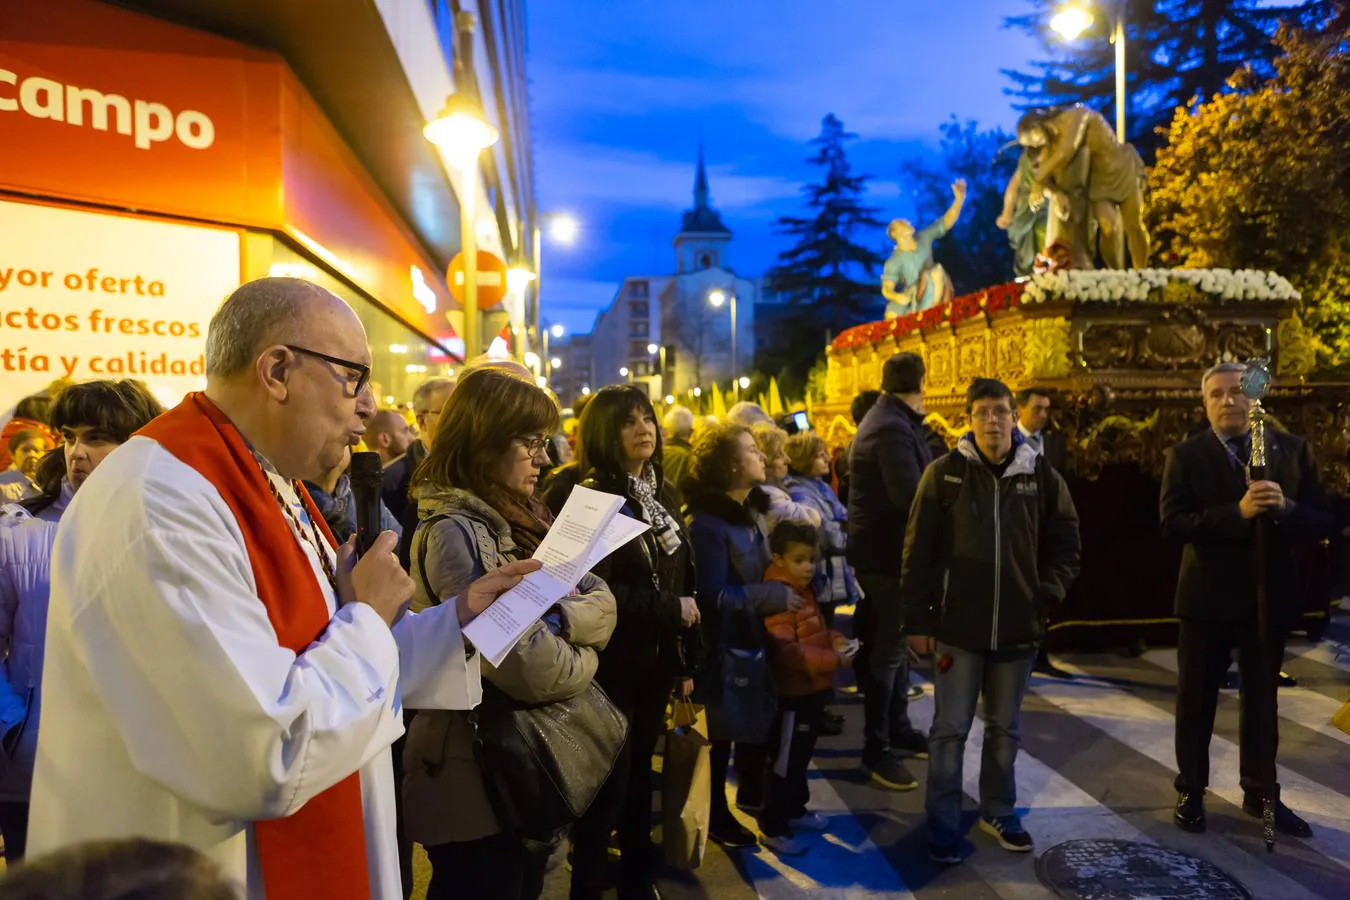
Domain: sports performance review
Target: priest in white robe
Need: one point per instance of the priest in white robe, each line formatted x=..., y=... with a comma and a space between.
x=217, y=673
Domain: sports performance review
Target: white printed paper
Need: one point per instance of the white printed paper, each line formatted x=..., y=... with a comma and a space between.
x=588, y=529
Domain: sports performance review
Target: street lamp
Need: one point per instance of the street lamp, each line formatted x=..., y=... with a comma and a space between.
x=555, y=362
x=557, y=330
x=717, y=297
x=463, y=132
x=743, y=382
x=623, y=371
x=652, y=348
x=1073, y=19
x=562, y=228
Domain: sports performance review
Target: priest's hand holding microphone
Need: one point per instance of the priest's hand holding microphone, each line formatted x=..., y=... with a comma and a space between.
x=368, y=570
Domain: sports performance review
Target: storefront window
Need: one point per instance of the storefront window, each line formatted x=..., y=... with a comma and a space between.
x=402, y=358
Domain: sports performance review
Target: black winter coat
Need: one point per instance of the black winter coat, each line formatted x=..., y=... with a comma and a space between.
x=1198, y=508
x=983, y=572
x=649, y=643
x=887, y=457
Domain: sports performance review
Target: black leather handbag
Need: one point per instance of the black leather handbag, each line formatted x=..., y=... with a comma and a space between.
x=544, y=763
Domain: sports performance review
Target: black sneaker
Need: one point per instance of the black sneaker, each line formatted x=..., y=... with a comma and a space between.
x=948, y=854
x=732, y=835
x=1286, y=820
x=890, y=772
x=1008, y=831
x=830, y=726
x=1190, y=812
x=913, y=692
x=1284, y=679
x=912, y=744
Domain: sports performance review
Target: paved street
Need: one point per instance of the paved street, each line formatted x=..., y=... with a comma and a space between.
x=1096, y=761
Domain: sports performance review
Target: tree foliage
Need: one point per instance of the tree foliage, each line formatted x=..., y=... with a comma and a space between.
x=1260, y=178
x=975, y=253
x=1176, y=51
x=829, y=278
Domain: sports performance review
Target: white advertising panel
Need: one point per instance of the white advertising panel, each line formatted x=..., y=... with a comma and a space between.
x=87, y=295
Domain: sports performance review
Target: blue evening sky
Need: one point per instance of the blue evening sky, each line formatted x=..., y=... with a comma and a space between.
x=623, y=89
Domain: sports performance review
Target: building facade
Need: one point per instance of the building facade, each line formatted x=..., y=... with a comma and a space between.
x=158, y=153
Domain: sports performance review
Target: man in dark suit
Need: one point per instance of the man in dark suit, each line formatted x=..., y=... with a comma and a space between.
x=1207, y=505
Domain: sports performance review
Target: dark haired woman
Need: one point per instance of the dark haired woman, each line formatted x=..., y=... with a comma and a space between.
x=726, y=526
x=93, y=420
x=619, y=452
x=476, y=506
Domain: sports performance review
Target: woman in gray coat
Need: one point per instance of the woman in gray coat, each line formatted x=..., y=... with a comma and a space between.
x=477, y=511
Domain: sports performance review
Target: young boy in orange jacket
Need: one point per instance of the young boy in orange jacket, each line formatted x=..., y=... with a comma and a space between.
x=804, y=655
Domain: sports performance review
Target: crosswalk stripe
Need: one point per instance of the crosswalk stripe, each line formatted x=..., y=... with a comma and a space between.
x=1055, y=809
x=1299, y=705
x=1149, y=731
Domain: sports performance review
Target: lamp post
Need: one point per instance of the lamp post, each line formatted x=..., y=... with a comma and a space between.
x=716, y=298
x=1073, y=19
x=463, y=132
x=562, y=228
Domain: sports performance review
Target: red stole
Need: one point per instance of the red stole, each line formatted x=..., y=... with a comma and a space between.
x=320, y=850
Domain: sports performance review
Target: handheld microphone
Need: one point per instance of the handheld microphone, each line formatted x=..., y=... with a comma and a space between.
x=366, y=473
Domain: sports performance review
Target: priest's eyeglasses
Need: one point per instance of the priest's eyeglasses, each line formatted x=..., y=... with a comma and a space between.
x=358, y=374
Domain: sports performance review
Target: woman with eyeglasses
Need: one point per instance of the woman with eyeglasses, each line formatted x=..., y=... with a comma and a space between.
x=92, y=419
x=652, y=577
x=477, y=511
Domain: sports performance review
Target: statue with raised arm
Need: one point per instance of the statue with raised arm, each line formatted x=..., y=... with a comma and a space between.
x=912, y=281
x=1111, y=195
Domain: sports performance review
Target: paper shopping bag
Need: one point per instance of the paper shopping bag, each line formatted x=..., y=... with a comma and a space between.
x=686, y=788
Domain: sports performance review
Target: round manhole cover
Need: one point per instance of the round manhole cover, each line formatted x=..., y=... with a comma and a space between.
x=1124, y=870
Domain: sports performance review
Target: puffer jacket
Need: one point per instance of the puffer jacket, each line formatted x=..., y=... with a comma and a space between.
x=983, y=571
x=445, y=800
x=801, y=648
x=832, y=565
x=25, y=587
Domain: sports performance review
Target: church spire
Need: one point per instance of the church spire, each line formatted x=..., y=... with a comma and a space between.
x=701, y=182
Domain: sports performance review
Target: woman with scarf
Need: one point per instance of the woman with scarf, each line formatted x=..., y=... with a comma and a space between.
x=477, y=511
x=619, y=452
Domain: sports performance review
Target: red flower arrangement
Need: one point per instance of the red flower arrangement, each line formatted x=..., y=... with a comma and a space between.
x=967, y=306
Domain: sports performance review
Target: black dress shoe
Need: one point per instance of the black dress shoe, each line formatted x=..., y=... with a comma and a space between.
x=1287, y=821
x=1287, y=680
x=1190, y=812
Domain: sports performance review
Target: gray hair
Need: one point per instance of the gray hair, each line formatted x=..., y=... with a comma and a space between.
x=250, y=318
x=432, y=386
x=679, y=422
x=748, y=415
x=1222, y=368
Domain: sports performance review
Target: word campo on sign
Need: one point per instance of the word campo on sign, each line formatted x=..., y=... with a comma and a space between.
x=92, y=280
x=146, y=122
x=133, y=362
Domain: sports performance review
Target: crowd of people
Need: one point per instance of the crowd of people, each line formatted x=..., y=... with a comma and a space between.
x=195, y=654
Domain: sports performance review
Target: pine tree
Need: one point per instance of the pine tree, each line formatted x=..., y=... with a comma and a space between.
x=1176, y=51
x=829, y=279
x=975, y=253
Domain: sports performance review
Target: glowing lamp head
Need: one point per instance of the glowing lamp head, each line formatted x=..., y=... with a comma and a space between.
x=556, y=362
x=557, y=331
x=744, y=382
x=670, y=399
x=461, y=129
x=1070, y=22
x=623, y=371
x=716, y=298
x=563, y=229
x=698, y=392
x=531, y=359
x=518, y=278
x=652, y=348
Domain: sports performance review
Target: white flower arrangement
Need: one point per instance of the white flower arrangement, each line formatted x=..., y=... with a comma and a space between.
x=1116, y=285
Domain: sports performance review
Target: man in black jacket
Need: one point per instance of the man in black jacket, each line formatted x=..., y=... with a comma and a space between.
x=991, y=545
x=886, y=460
x=1208, y=505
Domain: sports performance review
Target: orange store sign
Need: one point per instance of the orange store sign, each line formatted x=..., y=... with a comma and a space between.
x=102, y=105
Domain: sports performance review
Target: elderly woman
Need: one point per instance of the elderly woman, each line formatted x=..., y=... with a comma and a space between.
x=652, y=577
x=772, y=442
x=808, y=485
x=93, y=419
x=477, y=511
x=726, y=525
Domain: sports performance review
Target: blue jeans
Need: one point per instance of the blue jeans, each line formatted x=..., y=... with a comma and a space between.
x=1001, y=677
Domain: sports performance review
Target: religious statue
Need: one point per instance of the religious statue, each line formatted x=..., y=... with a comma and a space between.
x=1025, y=226
x=911, y=281
x=1090, y=179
